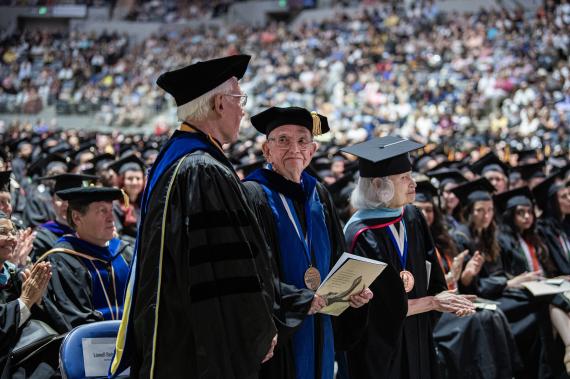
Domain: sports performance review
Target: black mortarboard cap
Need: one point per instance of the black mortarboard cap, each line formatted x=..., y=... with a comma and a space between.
x=425, y=191
x=84, y=148
x=531, y=170
x=544, y=190
x=66, y=181
x=526, y=154
x=102, y=159
x=476, y=190
x=5, y=181
x=446, y=175
x=62, y=149
x=87, y=195
x=130, y=162
x=449, y=165
x=274, y=117
x=513, y=198
x=383, y=156
x=489, y=162
x=47, y=163
x=190, y=82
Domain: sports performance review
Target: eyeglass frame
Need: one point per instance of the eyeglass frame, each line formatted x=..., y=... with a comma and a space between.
x=302, y=147
x=242, y=98
x=13, y=233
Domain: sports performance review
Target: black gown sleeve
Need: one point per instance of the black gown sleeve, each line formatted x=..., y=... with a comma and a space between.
x=9, y=321
x=68, y=298
x=44, y=241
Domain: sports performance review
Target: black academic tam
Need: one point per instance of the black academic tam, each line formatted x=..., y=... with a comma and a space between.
x=89, y=195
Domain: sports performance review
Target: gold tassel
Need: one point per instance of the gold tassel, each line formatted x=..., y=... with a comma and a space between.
x=547, y=150
x=125, y=198
x=507, y=155
x=316, y=124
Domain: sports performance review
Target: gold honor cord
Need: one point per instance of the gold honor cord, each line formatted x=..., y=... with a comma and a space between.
x=162, y=237
x=316, y=124
x=90, y=259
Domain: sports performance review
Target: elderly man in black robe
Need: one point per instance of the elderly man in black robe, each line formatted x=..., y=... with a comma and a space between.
x=197, y=304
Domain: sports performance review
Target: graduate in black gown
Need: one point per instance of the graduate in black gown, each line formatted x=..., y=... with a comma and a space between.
x=39, y=207
x=49, y=232
x=485, y=275
x=200, y=289
x=449, y=179
x=131, y=173
x=467, y=346
x=89, y=268
x=304, y=232
x=19, y=294
x=553, y=198
x=398, y=341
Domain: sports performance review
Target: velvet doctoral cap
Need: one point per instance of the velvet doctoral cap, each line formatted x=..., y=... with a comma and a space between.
x=67, y=181
x=191, y=82
x=88, y=195
x=274, y=117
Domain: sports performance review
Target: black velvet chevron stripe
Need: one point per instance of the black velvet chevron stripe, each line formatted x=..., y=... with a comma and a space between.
x=222, y=252
x=218, y=219
x=224, y=287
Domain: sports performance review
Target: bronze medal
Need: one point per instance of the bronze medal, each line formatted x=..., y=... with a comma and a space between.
x=312, y=278
x=407, y=279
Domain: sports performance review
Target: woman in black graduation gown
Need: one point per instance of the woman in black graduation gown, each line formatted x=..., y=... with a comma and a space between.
x=467, y=346
x=17, y=297
x=553, y=198
x=130, y=171
x=398, y=340
x=288, y=202
x=485, y=276
x=449, y=179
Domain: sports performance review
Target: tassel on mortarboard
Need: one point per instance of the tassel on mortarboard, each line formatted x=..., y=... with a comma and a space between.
x=316, y=124
x=125, y=198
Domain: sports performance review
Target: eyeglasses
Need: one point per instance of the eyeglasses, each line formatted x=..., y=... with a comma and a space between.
x=242, y=98
x=284, y=142
x=6, y=233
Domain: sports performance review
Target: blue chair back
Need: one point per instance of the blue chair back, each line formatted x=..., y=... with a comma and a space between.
x=71, y=361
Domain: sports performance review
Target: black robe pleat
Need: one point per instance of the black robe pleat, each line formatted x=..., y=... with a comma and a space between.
x=393, y=345
x=214, y=313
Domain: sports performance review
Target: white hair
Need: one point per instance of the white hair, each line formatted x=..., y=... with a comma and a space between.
x=372, y=193
x=200, y=108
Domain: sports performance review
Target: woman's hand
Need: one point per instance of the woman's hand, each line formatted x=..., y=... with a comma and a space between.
x=451, y=302
x=35, y=284
x=457, y=267
x=472, y=268
x=518, y=280
x=359, y=299
x=317, y=304
x=23, y=247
